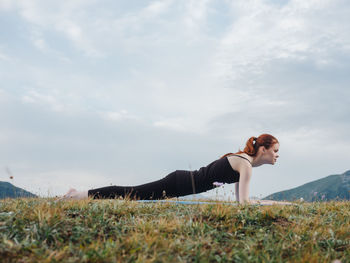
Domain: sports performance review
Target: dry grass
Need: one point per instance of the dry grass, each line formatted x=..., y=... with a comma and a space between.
x=41, y=230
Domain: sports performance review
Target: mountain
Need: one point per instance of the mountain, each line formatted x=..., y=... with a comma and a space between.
x=333, y=187
x=8, y=190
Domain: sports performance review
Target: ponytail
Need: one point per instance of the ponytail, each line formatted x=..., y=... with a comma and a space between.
x=253, y=144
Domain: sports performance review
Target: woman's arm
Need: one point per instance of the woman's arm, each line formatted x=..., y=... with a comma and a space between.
x=243, y=186
x=237, y=191
x=242, y=189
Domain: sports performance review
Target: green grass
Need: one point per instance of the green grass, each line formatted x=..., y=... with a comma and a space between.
x=40, y=230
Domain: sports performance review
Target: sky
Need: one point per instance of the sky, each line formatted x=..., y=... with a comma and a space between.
x=98, y=93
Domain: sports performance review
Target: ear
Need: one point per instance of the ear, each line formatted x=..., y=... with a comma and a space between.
x=261, y=149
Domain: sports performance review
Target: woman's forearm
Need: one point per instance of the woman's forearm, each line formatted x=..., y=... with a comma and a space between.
x=237, y=191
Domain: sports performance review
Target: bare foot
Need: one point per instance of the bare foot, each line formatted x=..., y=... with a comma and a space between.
x=73, y=194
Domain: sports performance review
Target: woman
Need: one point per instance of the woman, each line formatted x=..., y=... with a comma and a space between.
x=230, y=168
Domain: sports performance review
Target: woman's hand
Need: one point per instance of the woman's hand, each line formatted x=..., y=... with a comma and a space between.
x=272, y=202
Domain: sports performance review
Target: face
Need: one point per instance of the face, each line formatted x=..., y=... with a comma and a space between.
x=271, y=154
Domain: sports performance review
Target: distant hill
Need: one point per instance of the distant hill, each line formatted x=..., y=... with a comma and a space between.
x=329, y=188
x=8, y=190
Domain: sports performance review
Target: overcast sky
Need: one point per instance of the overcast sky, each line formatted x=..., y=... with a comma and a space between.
x=94, y=93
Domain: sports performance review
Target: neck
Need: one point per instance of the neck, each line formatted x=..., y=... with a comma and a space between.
x=257, y=160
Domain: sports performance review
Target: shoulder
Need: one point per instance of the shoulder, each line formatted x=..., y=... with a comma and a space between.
x=240, y=164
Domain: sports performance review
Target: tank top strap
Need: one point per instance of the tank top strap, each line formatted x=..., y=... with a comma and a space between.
x=243, y=158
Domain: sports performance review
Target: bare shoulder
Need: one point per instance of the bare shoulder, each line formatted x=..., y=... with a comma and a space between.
x=239, y=164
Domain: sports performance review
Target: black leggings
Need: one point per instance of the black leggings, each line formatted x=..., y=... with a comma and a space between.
x=175, y=184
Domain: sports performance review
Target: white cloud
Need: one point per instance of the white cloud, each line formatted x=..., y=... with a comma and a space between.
x=90, y=32
x=5, y=57
x=262, y=33
x=118, y=115
x=196, y=14
x=176, y=124
x=43, y=99
x=157, y=7
x=61, y=17
x=78, y=36
x=40, y=44
x=6, y=5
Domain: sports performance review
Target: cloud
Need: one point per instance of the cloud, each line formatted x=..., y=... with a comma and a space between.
x=40, y=44
x=6, y=5
x=55, y=146
x=118, y=116
x=278, y=60
x=43, y=99
x=157, y=7
x=92, y=30
x=93, y=86
x=76, y=34
x=62, y=18
x=173, y=124
x=4, y=57
x=263, y=33
x=195, y=17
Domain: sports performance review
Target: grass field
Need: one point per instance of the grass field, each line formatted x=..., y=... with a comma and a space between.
x=41, y=230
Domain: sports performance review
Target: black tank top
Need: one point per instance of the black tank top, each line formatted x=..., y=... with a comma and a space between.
x=218, y=171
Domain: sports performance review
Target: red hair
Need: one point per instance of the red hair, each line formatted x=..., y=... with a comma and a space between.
x=253, y=144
